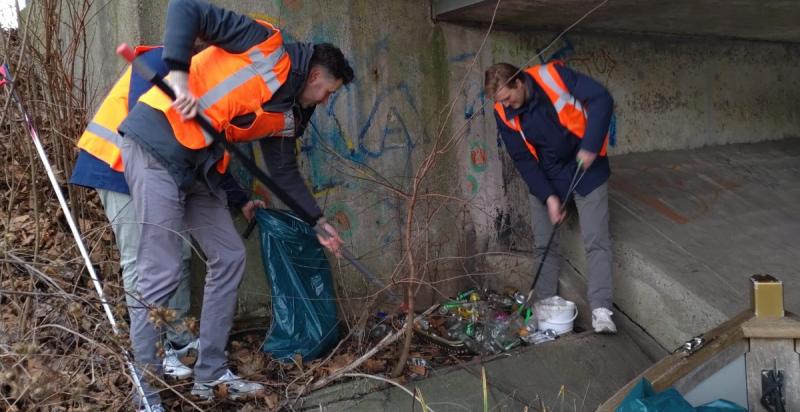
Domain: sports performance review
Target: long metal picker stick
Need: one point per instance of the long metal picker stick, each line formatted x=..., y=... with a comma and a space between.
x=152, y=76
x=5, y=77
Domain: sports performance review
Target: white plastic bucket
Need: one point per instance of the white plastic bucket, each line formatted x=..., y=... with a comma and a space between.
x=558, y=317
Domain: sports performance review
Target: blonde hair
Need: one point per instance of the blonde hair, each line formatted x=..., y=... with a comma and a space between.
x=499, y=75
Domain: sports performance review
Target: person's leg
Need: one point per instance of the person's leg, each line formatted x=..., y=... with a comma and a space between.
x=159, y=209
x=177, y=334
x=122, y=217
x=209, y=222
x=593, y=214
x=547, y=285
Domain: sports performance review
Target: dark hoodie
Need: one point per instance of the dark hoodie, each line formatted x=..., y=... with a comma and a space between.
x=187, y=20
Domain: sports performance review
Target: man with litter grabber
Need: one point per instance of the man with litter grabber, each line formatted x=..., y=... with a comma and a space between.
x=553, y=122
x=99, y=166
x=249, y=85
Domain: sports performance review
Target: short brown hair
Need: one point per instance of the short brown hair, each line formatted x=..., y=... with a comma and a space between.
x=499, y=75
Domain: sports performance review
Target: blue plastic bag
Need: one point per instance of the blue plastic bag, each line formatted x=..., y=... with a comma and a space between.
x=304, y=317
x=642, y=398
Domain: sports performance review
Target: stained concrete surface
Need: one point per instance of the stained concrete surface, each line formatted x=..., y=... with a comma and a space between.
x=587, y=367
x=744, y=19
x=691, y=227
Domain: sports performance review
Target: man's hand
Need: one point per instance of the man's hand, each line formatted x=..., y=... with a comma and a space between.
x=586, y=158
x=331, y=242
x=554, y=210
x=185, y=103
x=249, y=208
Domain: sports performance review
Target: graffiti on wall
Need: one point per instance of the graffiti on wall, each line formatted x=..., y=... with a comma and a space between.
x=474, y=103
x=349, y=133
x=385, y=128
x=598, y=64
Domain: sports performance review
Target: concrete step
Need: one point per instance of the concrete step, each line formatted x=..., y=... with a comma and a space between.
x=568, y=368
x=690, y=227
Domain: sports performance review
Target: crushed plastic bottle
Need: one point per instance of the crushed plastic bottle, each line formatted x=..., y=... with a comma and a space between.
x=540, y=336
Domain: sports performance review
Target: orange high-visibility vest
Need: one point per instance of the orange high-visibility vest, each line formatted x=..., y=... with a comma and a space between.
x=100, y=139
x=571, y=113
x=229, y=85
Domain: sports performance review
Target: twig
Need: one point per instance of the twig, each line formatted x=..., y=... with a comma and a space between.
x=392, y=337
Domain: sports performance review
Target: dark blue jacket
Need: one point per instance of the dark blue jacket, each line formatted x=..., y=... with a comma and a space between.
x=556, y=146
x=94, y=173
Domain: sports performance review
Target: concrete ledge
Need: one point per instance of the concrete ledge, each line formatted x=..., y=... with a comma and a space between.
x=526, y=377
x=690, y=227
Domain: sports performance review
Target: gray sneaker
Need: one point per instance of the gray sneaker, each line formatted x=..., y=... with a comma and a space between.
x=238, y=388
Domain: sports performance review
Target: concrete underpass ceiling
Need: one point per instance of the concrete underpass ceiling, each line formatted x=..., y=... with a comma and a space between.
x=769, y=20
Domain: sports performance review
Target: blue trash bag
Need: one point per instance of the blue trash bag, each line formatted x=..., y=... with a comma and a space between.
x=304, y=317
x=642, y=398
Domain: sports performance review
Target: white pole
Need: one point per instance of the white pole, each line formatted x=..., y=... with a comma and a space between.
x=76, y=234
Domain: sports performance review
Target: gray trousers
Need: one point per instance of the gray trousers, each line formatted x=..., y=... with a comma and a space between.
x=120, y=213
x=593, y=215
x=168, y=215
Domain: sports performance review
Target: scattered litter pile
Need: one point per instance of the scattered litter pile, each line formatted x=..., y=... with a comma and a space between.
x=481, y=322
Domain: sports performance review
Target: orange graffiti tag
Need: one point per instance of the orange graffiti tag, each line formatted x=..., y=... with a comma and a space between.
x=478, y=157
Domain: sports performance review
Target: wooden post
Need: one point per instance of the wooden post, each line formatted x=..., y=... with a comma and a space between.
x=774, y=340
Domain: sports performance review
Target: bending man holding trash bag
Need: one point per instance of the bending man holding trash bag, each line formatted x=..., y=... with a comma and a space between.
x=99, y=166
x=554, y=121
x=250, y=85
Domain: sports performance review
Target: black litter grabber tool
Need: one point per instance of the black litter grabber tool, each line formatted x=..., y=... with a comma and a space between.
x=579, y=173
x=7, y=79
x=153, y=77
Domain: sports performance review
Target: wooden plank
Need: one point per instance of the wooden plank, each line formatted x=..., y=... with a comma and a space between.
x=785, y=327
x=765, y=354
x=675, y=366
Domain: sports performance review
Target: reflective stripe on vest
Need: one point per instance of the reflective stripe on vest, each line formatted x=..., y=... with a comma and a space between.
x=100, y=138
x=514, y=124
x=230, y=85
x=571, y=113
x=262, y=66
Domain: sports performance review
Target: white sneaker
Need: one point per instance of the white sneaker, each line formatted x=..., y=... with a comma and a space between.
x=173, y=367
x=601, y=321
x=238, y=388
